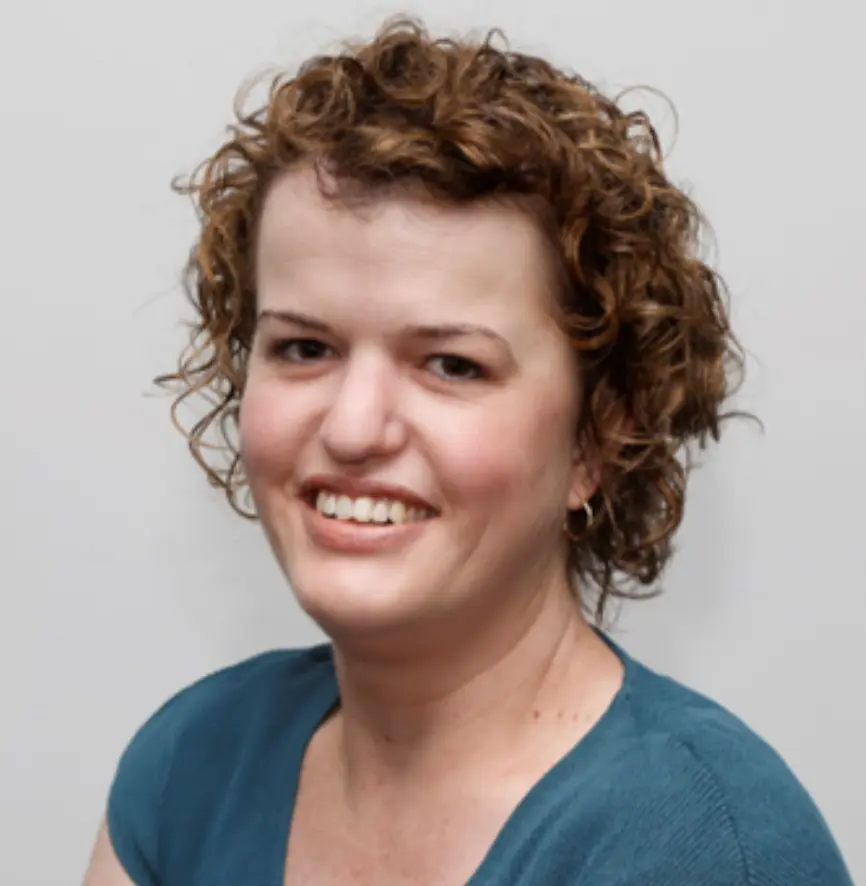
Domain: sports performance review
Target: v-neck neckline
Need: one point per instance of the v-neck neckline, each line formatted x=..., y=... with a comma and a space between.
x=326, y=699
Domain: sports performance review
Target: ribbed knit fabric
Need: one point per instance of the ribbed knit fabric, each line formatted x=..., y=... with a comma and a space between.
x=668, y=788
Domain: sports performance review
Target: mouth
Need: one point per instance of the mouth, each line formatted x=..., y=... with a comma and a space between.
x=368, y=509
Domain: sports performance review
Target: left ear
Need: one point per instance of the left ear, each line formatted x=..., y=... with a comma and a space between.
x=585, y=477
x=587, y=461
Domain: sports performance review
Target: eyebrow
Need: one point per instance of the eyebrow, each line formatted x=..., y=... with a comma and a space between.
x=433, y=333
x=302, y=320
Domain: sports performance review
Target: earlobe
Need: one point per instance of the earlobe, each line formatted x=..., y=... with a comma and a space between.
x=584, y=479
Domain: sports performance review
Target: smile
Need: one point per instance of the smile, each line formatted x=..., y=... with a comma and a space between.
x=366, y=509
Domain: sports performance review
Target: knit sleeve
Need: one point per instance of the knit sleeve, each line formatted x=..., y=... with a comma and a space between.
x=762, y=831
x=181, y=758
x=691, y=826
x=692, y=859
x=712, y=857
x=136, y=793
x=791, y=845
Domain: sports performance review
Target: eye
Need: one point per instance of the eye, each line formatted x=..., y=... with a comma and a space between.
x=300, y=350
x=450, y=367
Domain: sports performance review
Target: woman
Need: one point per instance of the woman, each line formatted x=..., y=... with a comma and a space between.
x=453, y=305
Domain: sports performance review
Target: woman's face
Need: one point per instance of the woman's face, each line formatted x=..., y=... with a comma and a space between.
x=407, y=424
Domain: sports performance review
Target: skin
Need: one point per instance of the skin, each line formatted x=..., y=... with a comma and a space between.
x=466, y=668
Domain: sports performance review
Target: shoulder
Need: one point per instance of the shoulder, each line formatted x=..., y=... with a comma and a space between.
x=716, y=789
x=184, y=754
x=222, y=703
x=241, y=688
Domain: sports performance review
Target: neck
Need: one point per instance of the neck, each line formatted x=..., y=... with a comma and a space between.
x=476, y=705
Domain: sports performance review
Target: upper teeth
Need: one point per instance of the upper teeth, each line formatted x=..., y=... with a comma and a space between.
x=366, y=510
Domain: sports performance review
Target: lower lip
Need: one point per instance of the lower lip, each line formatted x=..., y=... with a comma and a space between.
x=359, y=538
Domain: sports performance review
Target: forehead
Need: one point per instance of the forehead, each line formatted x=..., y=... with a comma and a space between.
x=482, y=257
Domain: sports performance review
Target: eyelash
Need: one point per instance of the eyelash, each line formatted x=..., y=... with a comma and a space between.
x=476, y=369
x=280, y=350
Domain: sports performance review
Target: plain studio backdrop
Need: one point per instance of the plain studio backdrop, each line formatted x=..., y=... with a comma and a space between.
x=125, y=576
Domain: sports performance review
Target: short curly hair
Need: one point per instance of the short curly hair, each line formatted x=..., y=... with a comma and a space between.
x=464, y=120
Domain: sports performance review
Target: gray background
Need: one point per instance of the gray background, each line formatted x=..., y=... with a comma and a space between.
x=124, y=576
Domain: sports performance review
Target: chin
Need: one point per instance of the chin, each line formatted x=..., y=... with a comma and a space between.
x=360, y=597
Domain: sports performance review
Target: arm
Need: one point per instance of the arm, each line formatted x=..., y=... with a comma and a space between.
x=126, y=848
x=105, y=869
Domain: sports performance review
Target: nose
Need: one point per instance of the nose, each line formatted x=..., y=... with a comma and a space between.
x=361, y=422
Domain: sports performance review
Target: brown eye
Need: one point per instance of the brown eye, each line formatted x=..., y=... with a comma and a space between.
x=450, y=367
x=301, y=350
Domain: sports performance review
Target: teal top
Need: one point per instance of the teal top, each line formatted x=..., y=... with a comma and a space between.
x=668, y=788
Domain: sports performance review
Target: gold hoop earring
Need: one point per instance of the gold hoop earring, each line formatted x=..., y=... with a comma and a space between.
x=586, y=507
x=590, y=514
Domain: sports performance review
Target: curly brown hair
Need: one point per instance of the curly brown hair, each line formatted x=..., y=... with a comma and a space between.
x=464, y=120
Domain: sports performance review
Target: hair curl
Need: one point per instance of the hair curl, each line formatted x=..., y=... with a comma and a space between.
x=464, y=121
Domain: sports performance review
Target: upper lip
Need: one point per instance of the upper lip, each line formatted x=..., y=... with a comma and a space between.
x=355, y=488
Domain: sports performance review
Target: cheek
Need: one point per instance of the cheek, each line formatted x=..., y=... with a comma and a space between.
x=269, y=432
x=477, y=455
